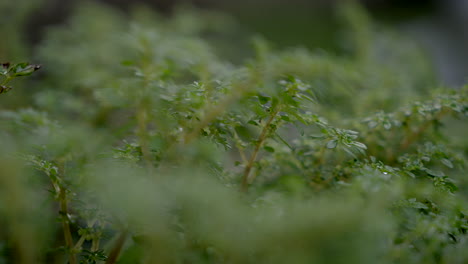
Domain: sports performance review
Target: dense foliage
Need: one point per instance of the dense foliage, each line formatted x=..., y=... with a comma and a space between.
x=139, y=142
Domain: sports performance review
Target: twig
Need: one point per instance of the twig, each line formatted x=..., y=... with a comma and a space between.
x=239, y=147
x=66, y=225
x=143, y=136
x=212, y=114
x=115, y=252
x=261, y=139
x=414, y=136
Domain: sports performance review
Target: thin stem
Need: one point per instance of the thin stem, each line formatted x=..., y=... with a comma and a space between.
x=239, y=147
x=66, y=225
x=142, y=118
x=296, y=161
x=415, y=135
x=115, y=252
x=82, y=239
x=321, y=156
x=95, y=244
x=284, y=141
x=80, y=242
x=6, y=80
x=212, y=114
x=261, y=139
x=3, y=87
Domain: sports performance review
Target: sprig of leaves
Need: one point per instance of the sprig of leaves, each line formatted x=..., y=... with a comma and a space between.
x=10, y=71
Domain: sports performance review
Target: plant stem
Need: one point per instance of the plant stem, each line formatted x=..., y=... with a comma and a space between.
x=321, y=156
x=212, y=114
x=95, y=244
x=239, y=147
x=66, y=225
x=80, y=242
x=260, y=141
x=6, y=80
x=115, y=252
x=415, y=135
x=142, y=118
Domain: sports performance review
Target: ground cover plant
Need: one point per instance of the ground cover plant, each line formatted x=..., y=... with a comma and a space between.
x=139, y=142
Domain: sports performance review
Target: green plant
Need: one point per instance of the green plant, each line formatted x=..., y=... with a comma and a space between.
x=9, y=72
x=147, y=146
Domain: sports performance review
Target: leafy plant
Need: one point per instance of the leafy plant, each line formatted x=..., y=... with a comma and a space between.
x=146, y=145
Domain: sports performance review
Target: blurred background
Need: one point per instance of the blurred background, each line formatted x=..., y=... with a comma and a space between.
x=438, y=25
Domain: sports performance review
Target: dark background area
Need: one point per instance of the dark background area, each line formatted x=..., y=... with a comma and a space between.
x=439, y=25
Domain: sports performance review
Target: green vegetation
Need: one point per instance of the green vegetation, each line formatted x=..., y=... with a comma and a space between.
x=139, y=142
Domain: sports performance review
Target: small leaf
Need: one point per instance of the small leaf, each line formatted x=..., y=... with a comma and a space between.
x=417, y=205
x=447, y=163
x=450, y=186
x=351, y=132
x=317, y=136
x=269, y=149
x=445, y=183
x=426, y=158
x=253, y=122
x=23, y=69
x=387, y=125
x=332, y=144
x=410, y=174
x=263, y=99
x=359, y=145
x=372, y=124
x=435, y=173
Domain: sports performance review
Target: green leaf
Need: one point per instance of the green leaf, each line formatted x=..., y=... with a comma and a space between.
x=332, y=143
x=415, y=204
x=351, y=132
x=447, y=163
x=317, y=136
x=434, y=173
x=409, y=173
x=372, y=124
x=359, y=145
x=23, y=69
x=269, y=149
x=387, y=125
x=253, y=122
x=446, y=184
x=263, y=99
x=285, y=118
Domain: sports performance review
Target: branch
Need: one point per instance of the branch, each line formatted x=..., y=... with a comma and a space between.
x=261, y=139
x=143, y=135
x=66, y=225
x=415, y=135
x=212, y=114
x=115, y=252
